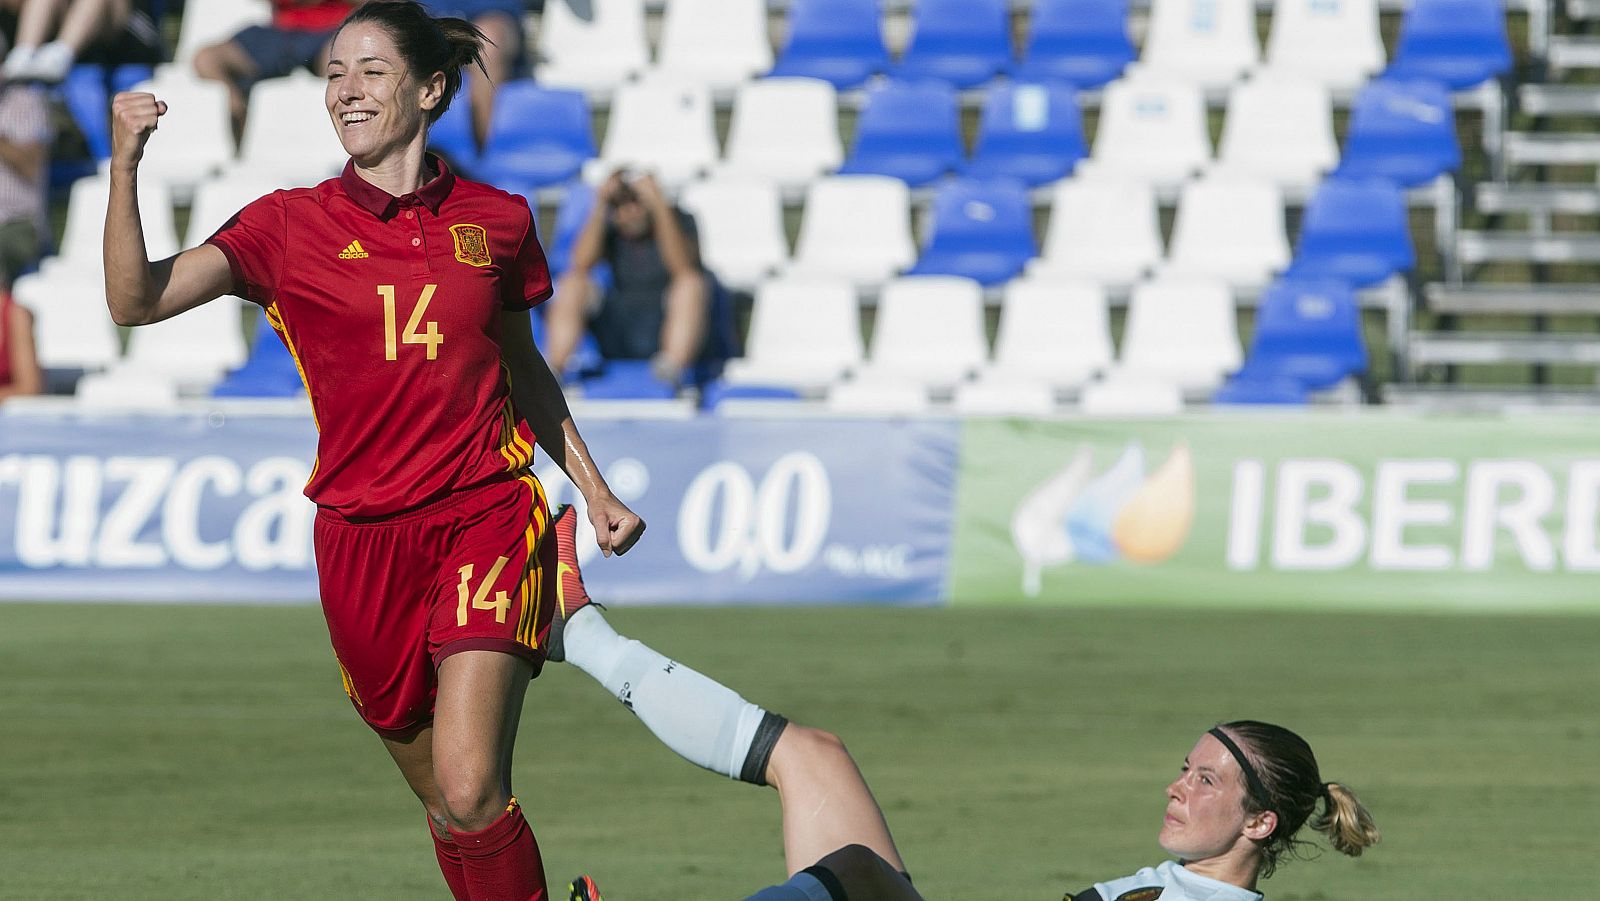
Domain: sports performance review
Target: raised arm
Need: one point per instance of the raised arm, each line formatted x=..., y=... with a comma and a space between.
x=537, y=395
x=139, y=291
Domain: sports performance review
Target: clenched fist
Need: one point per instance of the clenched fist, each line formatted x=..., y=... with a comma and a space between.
x=133, y=118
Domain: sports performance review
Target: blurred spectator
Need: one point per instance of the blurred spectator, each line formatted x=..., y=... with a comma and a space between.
x=19, y=365
x=501, y=22
x=298, y=36
x=24, y=172
x=52, y=35
x=656, y=308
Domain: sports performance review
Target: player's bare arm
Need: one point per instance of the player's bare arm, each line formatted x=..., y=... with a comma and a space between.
x=537, y=395
x=139, y=291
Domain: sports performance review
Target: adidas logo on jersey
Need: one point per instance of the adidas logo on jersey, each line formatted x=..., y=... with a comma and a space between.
x=354, y=252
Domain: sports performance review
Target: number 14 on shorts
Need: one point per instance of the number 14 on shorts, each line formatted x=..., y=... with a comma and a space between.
x=480, y=598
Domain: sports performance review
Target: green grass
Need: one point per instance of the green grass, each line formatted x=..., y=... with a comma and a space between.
x=208, y=753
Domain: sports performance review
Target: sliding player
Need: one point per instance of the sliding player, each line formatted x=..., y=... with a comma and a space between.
x=403, y=290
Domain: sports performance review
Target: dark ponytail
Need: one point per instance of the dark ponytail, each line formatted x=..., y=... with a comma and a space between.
x=427, y=44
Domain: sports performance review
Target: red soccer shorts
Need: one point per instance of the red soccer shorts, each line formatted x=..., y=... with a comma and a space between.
x=469, y=572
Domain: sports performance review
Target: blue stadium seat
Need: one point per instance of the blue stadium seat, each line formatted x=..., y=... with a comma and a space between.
x=981, y=230
x=269, y=372
x=838, y=41
x=127, y=75
x=627, y=380
x=960, y=42
x=538, y=137
x=89, y=102
x=1254, y=388
x=1355, y=231
x=1030, y=132
x=907, y=131
x=713, y=393
x=1460, y=43
x=1404, y=131
x=1308, y=331
x=570, y=216
x=451, y=137
x=1081, y=42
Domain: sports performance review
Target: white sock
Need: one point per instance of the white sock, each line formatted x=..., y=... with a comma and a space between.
x=705, y=722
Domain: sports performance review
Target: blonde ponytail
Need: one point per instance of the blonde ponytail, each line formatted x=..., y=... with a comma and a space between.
x=1345, y=822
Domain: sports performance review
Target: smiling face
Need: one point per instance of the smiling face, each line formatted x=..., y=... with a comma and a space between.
x=1206, y=815
x=378, y=109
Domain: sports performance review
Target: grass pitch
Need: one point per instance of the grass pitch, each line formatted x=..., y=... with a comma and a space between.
x=208, y=753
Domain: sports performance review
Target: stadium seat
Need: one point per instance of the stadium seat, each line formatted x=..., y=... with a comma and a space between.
x=838, y=41
x=1403, y=131
x=878, y=397
x=72, y=329
x=574, y=210
x=1181, y=330
x=1152, y=130
x=269, y=372
x=1231, y=228
x=907, y=131
x=287, y=135
x=217, y=200
x=594, y=47
x=82, y=241
x=121, y=389
x=785, y=130
x=1335, y=43
x=1131, y=395
x=719, y=43
x=88, y=102
x=981, y=230
x=1279, y=129
x=1308, y=332
x=1355, y=231
x=855, y=227
x=1052, y=331
x=127, y=76
x=1210, y=43
x=1460, y=43
x=195, y=140
x=1004, y=398
x=929, y=330
x=1080, y=42
x=1103, y=229
x=537, y=137
x=193, y=348
x=741, y=229
x=1249, y=388
x=627, y=380
x=451, y=136
x=804, y=334
x=663, y=127
x=1031, y=132
x=963, y=43
x=215, y=21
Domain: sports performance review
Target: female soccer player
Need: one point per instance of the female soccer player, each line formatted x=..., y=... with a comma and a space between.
x=1245, y=790
x=403, y=293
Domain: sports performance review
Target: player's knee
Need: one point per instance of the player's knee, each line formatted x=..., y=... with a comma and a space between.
x=471, y=801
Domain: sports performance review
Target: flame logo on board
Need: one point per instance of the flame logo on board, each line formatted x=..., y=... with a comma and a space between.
x=1121, y=514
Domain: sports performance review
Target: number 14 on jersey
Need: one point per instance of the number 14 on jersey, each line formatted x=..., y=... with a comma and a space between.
x=416, y=331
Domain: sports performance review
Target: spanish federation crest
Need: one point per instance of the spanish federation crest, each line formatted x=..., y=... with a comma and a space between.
x=472, y=244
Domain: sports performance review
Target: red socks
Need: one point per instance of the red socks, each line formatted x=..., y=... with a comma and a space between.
x=500, y=863
x=449, y=856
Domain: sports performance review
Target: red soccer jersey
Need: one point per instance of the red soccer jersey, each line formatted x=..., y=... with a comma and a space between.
x=391, y=309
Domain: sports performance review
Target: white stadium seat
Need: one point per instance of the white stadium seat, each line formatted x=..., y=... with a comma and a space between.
x=593, y=48
x=72, y=328
x=784, y=129
x=1132, y=395
x=194, y=348
x=82, y=244
x=1180, y=330
x=1333, y=42
x=195, y=138
x=122, y=389
x=804, y=334
x=1230, y=228
x=661, y=126
x=1279, y=128
x=929, y=330
x=741, y=229
x=215, y=21
x=719, y=43
x=1104, y=229
x=1206, y=42
x=216, y=201
x=1003, y=397
x=856, y=227
x=287, y=135
x=1153, y=130
x=878, y=397
x=1053, y=332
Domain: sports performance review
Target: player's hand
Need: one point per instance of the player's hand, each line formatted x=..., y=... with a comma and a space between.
x=133, y=119
x=616, y=528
